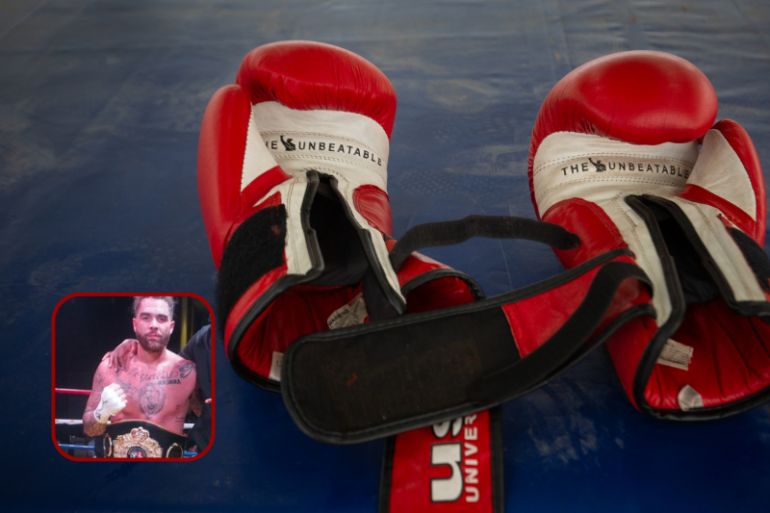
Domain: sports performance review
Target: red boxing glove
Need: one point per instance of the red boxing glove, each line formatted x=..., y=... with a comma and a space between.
x=292, y=178
x=303, y=248
x=615, y=159
x=292, y=181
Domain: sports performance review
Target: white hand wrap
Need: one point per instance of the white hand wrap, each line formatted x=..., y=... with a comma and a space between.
x=113, y=401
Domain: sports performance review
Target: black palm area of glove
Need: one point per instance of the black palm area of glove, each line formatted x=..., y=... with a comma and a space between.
x=698, y=275
x=258, y=246
x=697, y=284
x=342, y=249
x=345, y=262
x=755, y=256
x=255, y=248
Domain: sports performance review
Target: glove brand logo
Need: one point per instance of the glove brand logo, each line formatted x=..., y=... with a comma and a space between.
x=641, y=167
x=288, y=144
x=323, y=146
x=464, y=477
x=598, y=165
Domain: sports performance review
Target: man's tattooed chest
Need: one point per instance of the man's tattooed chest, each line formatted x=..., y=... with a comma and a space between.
x=151, y=391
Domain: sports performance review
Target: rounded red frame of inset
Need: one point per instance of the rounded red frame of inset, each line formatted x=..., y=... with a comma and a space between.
x=125, y=294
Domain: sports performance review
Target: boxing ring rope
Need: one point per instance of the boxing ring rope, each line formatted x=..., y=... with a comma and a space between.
x=77, y=422
x=72, y=391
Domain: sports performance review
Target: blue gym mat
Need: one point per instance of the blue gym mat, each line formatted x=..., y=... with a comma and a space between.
x=100, y=108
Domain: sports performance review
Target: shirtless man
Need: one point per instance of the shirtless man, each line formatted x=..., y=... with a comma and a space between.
x=154, y=393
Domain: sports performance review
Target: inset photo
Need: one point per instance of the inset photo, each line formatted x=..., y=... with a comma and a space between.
x=133, y=376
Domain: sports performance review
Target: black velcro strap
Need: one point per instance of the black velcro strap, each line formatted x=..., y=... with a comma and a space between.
x=255, y=248
x=368, y=381
x=373, y=380
x=377, y=305
x=447, y=233
x=517, y=378
x=755, y=256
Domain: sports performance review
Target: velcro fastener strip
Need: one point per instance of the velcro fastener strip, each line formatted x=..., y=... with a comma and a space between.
x=448, y=233
x=369, y=381
x=518, y=377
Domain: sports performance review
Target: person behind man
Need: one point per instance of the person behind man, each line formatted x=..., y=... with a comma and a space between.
x=198, y=350
x=145, y=404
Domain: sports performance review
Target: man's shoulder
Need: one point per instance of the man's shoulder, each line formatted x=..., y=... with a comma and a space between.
x=104, y=370
x=178, y=361
x=173, y=358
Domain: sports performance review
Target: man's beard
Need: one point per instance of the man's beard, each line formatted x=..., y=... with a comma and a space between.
x=155, y=345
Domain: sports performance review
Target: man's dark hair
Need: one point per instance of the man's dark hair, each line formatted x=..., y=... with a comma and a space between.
x=168, y=299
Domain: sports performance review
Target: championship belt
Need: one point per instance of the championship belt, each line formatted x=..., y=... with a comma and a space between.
x=141, y=439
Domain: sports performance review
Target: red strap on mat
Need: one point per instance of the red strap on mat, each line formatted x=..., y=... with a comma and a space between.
x=454, y=466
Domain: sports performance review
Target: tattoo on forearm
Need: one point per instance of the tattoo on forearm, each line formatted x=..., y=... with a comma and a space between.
x=151, y=399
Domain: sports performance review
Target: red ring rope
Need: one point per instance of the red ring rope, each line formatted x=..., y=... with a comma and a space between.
x=72, y=391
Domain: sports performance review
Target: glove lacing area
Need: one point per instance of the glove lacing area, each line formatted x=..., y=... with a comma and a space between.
x=449, y=233
x=294, y=305
x=717, y=361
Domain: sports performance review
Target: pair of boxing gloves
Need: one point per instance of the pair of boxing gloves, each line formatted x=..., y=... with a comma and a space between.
x=365, y=337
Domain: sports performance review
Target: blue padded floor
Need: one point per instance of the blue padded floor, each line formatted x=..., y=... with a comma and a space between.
x=100, y=107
